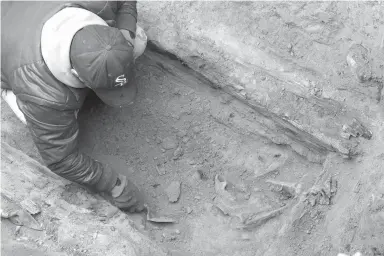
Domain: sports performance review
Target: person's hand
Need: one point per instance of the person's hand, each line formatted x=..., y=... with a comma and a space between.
x=127, y=196
x=138, y=41
x=10, y=98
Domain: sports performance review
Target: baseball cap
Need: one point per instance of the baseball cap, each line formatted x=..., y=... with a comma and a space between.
x=103, y=59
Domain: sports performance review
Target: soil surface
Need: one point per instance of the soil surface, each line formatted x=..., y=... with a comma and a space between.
x=240, y=193
x=254, y=161
x=309, y=66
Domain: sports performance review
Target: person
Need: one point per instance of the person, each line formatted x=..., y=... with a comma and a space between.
x=53, y=54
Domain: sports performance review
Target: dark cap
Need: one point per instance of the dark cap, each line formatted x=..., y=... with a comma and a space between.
x=103, y=59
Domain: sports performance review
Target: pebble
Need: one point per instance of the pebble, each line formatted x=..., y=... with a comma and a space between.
x=197, y=175
x=189, y=210
x=113, y=228
x=245, y=237
x=182, y=134
x=17, y=230
x=196, y=129
x=178, y=153
x=197, y=197
x=173, y=191
x=169, y=143
x=160, y=170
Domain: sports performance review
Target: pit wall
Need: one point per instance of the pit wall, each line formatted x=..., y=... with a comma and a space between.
x=314, y=68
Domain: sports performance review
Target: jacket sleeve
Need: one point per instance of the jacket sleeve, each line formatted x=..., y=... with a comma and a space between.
x=55, y=134
x=127, y=16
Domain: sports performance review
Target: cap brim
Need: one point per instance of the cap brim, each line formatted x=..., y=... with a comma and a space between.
x=118, y=97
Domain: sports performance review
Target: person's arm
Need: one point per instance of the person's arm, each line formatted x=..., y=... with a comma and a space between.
x=126, y=19
x=55, y=134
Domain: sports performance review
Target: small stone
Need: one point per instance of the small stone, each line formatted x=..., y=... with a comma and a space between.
x=197, y=197
x=169, y=143
x=173, y=191
x=160, y=170
x=263, y=78
x=181, y=134
x=245, y=237
x=113, y=228
x=185, y=139
x=196, y=129
x=170, y=238
x=178, y=153
x=197, y=175
x=147, y=140
x=177, y=231
x=17, y=230
x=189, y=210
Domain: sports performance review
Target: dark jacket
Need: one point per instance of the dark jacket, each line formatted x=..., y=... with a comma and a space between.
x=48, y=105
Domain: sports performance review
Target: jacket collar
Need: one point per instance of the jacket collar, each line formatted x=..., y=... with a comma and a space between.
x=56, y=39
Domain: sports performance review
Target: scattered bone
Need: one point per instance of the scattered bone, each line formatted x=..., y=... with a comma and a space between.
x=260, y=218
x=355, y=129
x=30, y=206
x=290, y=188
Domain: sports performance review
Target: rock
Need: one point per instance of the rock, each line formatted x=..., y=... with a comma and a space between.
x=173, y=191
x=189, y=210
x=169, y=238
x=197, y=175
x=178, y=153
x=169, y=143
x=356, y=129
x=196, y=129
x=181, y=134
x=160, y=170
x=245, y=236
x=359, y=63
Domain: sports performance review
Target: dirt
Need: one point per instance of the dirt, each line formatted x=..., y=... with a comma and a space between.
x=174, y=104
x=247, y=187
x=289, y=60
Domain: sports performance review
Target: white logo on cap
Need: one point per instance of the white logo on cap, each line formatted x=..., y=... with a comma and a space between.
x=121, y=80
